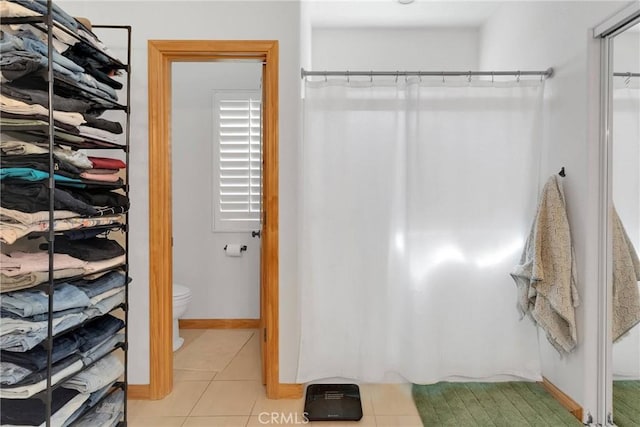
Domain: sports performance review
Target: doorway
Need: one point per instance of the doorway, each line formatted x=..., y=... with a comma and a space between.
x=162, y=53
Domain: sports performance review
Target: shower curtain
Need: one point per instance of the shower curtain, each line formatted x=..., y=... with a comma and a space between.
x=626, y=198
x=416, y=200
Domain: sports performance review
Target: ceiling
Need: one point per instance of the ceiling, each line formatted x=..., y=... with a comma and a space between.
x=391, y=13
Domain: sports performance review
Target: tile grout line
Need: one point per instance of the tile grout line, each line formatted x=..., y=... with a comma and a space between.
x=199, y=399
x=238, y=352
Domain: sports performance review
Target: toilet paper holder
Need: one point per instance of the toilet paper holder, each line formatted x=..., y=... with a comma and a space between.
x=242, y=248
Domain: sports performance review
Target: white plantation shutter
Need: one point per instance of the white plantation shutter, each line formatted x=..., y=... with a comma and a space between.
x=238, y=149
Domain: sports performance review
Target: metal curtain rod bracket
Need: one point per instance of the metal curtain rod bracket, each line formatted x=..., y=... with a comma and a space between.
x=626, y=74
x=548, y=73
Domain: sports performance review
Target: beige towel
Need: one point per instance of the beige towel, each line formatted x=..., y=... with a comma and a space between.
x=626, y=274
x=546, y=275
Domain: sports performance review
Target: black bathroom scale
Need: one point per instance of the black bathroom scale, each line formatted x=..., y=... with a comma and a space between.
x=333, y=402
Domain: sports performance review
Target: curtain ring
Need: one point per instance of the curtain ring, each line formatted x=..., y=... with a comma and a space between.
x=397, y=75
x=348, y=78
x=371, y=76
x=325, y=77
x=469, y=77
x=443, y=77
x=420, y=77
x=518, y=77
x=492, y=78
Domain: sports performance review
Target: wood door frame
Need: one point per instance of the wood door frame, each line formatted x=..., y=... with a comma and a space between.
x=161, y=54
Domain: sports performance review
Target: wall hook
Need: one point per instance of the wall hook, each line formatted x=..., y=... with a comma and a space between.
x=561, y=173
x=242, y=248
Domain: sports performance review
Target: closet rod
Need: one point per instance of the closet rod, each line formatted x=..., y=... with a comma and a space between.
x=626, y=74
x=548, y=73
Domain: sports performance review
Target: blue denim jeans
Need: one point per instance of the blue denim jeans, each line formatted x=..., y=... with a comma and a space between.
x=61, y=416
x=23, y=335
x=113, y=279
x=107, y=413
x=29, y=42
x=36, y=358
x=97, y=331
x=31, y=303
x=103, y=372
x=43, y=316
x=98, y=87
x=101, y=349
x=93, y=399
x=33, y=44
x=36, y=377
x=24, y=391
x=106, y=305
x=11, y=373
x=58, y=13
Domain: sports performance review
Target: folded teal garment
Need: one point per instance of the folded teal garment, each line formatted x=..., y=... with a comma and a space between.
x=29, y=174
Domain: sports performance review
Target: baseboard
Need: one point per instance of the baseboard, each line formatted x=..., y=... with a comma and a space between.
x=285, y=391
x=138, y=391
x=219, y=323
x=290, y=391
x=568, y=403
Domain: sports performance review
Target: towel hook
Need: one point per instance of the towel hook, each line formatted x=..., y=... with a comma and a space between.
x=561, y=173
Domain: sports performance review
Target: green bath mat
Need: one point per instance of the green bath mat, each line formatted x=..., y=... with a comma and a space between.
x=504, y=404
x=626, y=403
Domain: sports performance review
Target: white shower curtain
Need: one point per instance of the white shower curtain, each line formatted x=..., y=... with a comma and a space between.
x=626, y=198
x=416, y=202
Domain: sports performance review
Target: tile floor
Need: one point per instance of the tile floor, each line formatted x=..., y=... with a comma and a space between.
x=217, y=383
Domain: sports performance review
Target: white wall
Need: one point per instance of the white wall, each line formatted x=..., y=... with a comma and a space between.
x=216, y=20
x=521, y=35
x=392, y=49
x=222, y=287
x=537, y=35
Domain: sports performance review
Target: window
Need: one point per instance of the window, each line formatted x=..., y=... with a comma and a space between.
x=238, y=160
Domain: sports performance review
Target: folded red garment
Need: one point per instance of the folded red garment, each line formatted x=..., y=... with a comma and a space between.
x=107, y=163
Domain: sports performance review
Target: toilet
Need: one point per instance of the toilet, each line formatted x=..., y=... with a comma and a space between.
x=181, y=298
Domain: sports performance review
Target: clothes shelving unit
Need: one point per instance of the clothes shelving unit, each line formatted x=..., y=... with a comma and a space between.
x=51, y=137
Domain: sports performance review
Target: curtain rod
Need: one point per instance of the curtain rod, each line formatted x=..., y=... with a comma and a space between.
x=548, y=73
x=626, y=74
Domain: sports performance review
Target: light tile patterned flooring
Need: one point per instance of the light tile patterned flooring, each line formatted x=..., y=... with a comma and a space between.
x=217, y=383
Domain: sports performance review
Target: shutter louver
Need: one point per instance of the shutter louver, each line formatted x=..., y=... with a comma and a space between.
x=239, y=160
